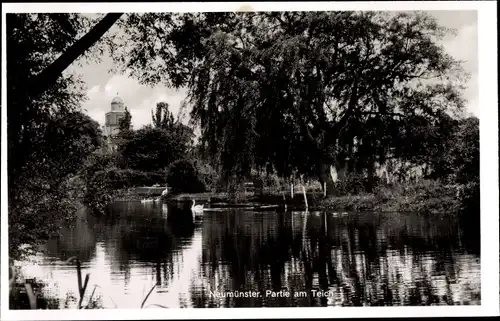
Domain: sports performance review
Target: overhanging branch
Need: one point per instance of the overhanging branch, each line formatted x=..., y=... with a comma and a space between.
x=41, y=82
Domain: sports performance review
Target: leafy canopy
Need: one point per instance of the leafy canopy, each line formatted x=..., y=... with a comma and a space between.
x=297, y=88
x=48, y=138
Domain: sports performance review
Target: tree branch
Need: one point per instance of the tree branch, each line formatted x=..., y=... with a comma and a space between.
x=350, y=107
x=63, y=23
x=381, y=113
x=41, y=82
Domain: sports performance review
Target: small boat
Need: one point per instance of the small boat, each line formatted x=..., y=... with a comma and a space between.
x=147, y=200
x=214, y=210
x=266, y=207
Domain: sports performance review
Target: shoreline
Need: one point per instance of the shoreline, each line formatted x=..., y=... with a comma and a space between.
x=316, y=202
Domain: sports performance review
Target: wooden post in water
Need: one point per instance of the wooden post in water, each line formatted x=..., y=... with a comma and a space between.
x=324, y=189
x=291, y=190
x=305, y=196
x=326, y=224
x=79, y=276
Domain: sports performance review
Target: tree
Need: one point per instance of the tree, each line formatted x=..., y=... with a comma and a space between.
x=47, y=137
x=125, y=123
x=164, y=118
x=458, y=163
x=466, y=151
x=125, y=131
x=59, y=150
x=69, y=138
x=464, y=157
x=41, y=197
x=150, y=149
x=183, y=177
x=424, y=141
x=310, y=78
x=36, y=85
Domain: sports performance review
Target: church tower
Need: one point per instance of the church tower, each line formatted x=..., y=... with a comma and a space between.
x=112, y=121
x=113, y=117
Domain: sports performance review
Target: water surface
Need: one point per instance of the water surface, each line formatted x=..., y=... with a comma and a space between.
x=281, y=259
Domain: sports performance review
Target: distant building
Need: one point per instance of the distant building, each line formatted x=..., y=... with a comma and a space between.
x=112, y=122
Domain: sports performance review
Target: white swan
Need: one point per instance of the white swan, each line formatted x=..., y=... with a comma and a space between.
x=165, y=192
x=196, y=208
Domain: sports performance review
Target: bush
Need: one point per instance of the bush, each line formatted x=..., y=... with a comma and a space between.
x=40, y=214
x=352, y=183
x=272, y=182
x=124, y=178
x=99, y=191
x=208, y=176
x=103, y=186
x=469, y=195
x=103, y=179
x=18, y=298
x=183, y=177
x=421, y=196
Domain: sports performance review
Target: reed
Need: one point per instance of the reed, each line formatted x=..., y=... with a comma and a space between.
x=158, y=305
x=91, y=296
x=82, y=286
x=147, y=296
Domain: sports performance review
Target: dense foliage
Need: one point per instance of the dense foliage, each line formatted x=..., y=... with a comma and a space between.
x=299, y=90
x=277, y=96
x=43, y=192
x=183, y=176
x=155, y=147
x=48, y=138
x=150, y=149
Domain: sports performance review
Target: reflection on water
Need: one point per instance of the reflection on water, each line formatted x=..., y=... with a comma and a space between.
x=285, y=259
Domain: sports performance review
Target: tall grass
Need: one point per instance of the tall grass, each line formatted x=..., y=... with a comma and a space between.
x=431, y=196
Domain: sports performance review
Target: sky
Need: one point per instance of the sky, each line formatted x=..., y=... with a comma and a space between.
x=140, y=100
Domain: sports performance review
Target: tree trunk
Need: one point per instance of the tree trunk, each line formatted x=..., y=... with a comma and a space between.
x=324, y=176
x=370, y=177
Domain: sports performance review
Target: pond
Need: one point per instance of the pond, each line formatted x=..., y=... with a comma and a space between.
x=240, y=258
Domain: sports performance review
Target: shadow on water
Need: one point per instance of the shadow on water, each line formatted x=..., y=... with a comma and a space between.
x=140, y=232
x=130, y=234
x=359, y=259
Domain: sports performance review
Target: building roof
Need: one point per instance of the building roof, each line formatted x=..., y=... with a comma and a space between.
x=117, y=100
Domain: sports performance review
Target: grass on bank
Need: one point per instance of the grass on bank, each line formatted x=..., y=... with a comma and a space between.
x=423, y=196
x=428, y=196
x=193, y=181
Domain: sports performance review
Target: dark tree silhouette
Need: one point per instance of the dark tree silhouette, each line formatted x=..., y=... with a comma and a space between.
x=265, y=97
